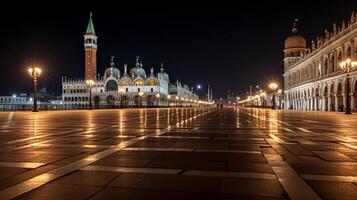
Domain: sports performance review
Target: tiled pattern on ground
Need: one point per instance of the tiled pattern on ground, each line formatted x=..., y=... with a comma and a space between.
x=178, y=153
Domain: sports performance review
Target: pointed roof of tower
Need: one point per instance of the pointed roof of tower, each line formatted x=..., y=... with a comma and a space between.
x=162, y=67
x=90, y=27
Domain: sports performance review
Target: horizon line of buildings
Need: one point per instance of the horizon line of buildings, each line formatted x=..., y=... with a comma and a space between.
x=128, y=88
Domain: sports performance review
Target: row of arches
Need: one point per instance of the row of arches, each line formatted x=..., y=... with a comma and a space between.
x=329, y=96
x=325, y=65
x=125, y=101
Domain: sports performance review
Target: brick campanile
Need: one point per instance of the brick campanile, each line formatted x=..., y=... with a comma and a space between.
x=90, y=47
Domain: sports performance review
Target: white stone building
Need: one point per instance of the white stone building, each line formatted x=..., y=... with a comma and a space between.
x=313, y=79
x=133, y=88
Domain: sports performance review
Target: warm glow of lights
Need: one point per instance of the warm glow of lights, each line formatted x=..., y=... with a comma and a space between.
x=177, y=97
x=34, y=71
x=273, y=86
x=169, y=97
x=157, y=95
x=90, y=83
x=141, y=93
x=279, y=91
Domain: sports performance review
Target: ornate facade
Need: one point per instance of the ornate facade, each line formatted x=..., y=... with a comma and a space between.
x=133, y=88
x=313, y=79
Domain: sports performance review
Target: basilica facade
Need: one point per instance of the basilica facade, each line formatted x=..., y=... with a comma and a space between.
x=131, y=87
x=313, y=76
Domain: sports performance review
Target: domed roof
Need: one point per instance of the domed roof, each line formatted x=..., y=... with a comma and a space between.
x=112, y=71
x=295, y=40
x=138, y=69
x=162, y=75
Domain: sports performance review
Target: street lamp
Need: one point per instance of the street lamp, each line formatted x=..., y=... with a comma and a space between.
x=90, y=84
x=273, y=86
x=347, y=66
x=158, y=99
x=34, y=72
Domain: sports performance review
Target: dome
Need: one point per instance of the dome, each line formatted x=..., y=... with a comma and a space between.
x=295, y=44
x=295, y=41
x=112, y=71
x=138, y=71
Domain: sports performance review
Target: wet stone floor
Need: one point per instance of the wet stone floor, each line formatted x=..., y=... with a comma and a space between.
x=178, y=153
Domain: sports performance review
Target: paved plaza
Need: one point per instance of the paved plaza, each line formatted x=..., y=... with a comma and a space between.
x=178, y=153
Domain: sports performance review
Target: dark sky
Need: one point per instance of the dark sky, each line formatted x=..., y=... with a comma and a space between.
x=229, y=46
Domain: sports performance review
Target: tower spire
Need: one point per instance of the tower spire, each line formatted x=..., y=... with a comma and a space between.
x=90, y=27
x=112, y=61
x=295, y=29
x=162, y=67
x=137, y=64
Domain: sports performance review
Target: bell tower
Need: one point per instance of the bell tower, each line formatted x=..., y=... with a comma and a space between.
x=90, y=47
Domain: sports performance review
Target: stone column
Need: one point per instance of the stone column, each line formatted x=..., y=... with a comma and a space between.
x=315, y=103
x=329, y=103
x=336, y=103
x=353, y=103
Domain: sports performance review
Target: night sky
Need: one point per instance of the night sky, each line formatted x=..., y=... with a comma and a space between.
x=226, y=45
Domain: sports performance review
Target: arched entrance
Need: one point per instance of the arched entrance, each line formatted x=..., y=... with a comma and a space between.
x=96, y=102
x=317, y=100
x=138, y=100
x=110, y=101
x=332, y=98
x=150, y=100
x=325, y=99
x=124, y=100
x=354, y=102
x=339, y=97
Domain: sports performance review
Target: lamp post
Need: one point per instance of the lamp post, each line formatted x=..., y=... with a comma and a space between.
x=273, y=86
x=158, y=99
x=34, y=72
x=168, y=100
x=347, y=66
x=90, y=84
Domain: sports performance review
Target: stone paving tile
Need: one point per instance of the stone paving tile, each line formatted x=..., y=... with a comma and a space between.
x=60, y=191
x=297, y=149
x=328, y=169
x=249, y=167
x=123, y=162
x=253, y=187
x=135, y=154
x=333, y=156
x=89, y=178
x=7, y=172
x=188, y=164
x=134, y=194
x=167, y=182
x=335, y=190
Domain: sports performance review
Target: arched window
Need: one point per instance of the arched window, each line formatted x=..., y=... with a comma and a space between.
x=111, y=86
x=332, y=64
x=348, y=52
x=326, y=66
